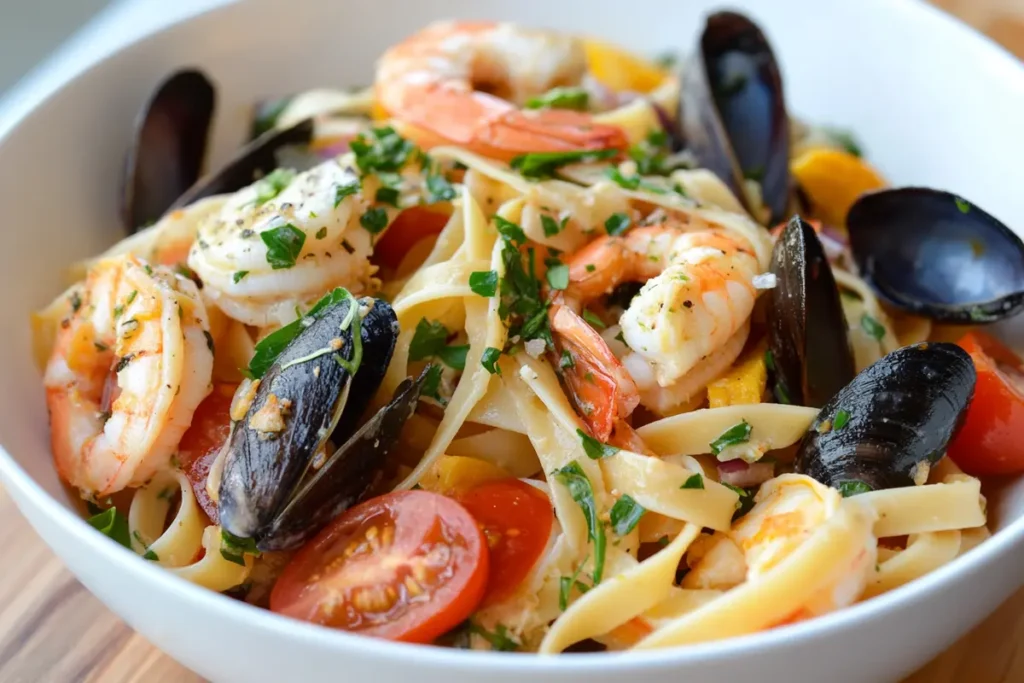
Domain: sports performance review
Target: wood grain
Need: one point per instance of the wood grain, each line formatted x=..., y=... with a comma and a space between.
x=53, y=631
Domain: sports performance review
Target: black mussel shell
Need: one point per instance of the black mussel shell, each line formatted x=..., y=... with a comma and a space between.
x=810, y=350
x=311, y=393
x=255, y=160
x=733, y=114
x=347, y=476
x=937, y=255
x=898, y=413
x=166, y=156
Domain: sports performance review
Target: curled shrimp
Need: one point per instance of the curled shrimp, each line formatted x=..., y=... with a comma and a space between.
x=263, y=254
x=131, y=363
x=689, y=321
x=463, y=82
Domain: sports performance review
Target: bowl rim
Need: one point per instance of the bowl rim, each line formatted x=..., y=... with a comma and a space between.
x=193, y=597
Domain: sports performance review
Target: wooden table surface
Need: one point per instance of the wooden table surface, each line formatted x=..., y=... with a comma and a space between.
x=53, y=630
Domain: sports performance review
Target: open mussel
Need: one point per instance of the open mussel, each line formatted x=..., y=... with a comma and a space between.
x=319, y=385
x=733, y=115
x=889, y=425
x=810, y=350
x=166, y=156
x=937, y=255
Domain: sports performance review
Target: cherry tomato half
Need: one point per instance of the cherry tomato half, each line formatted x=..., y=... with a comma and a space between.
x=409, y=227
x=204, y=439
x=992, y=438
x=516, y=519
x=409, y=565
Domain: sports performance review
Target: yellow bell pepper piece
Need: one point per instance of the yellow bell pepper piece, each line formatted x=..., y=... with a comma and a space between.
x=460, y=473
x=619, y=70
x=833, y=180
x=743, y=384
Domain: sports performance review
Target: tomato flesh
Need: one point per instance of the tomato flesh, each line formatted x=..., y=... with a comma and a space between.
x=991, y=440
x=211, y=425
x=516, y=519
x=408, y=565
x=409, y=227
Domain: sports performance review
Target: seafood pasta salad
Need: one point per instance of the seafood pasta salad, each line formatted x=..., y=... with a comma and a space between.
x=535, y=345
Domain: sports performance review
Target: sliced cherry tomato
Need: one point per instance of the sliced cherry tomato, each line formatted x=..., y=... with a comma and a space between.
x=992, y=438
x=409, y=565
x=516, y=519
x=409, y=227
x=204, y=439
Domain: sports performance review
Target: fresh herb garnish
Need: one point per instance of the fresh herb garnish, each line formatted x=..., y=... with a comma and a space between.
x=626, y=514
x=738, y=433
x=239, y=274
x=432, y=382
x=439, y=189
x=150, y=555
x=573, y=478
x=273, y=184
x=374, y=220
x=742, y=493
x=566, y=584
x=566, y=361
x=841, y=418
x=694, y=481
x=112, y=524
x=489, y=360
x=962, y=204
x=551, y=226
x=523, y=306
x=558, y=276
x=616, y=224
x=510, y=231
x=284, y=244
x=592, y=318
x=769, y=360
x=454, y=356
x=631, y=182
x=594, y=449
x=342, y=191
x=427, y=340
x=846, y=140
x=544, y=164
x=852, y=487
x=484, y=282
x=560, y=98
x=874, y=328
x=387, y=195
x=381, y=150
x=651, y=154
x=233, y=548
x=499, y=639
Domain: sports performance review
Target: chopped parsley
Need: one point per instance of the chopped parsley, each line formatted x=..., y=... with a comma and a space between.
x=387, y=195
x=841, y=418
x=846, y=140
x=874, y=328
x=573, y=478
x=616, y=224
x=853, y=487
x=558, y=276
x=591, y=267
x=510, y=231
x=150, y=555
x=560, y=98
x=432, y=383
x=652, y=154
x=112, y=524
x=76, y=301
x=551, y=226
x=738, y=433
x=439, y=189
x=694, y=481
x=484, y=282
x=382, y=150
x=631, y=182
x=566, y=361
x=499, y=639
x=566, y=584
x=489, y=360
x=742, y=493
x=962, y=204
x=523, y=306
x=284, y=244
x=540, y=165
x=273, y=184
x=769, y=360
x=626, y=514
x=454, y=356
x=374, y=220
x=233, y=549
x=342, y=191
x=592, y=318
x=594, y=449
x=239, y=274
x=427, y=340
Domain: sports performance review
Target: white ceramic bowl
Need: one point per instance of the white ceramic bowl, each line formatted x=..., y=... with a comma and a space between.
x=935, y=104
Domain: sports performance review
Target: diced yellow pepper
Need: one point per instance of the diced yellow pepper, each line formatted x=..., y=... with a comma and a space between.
x=833, y=180
x=743, y=384
x=460, y=473
x=619, y=70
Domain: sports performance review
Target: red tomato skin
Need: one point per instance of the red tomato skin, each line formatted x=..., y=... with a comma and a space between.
x=315, y=575
x=516, y=519
x=409, y=227
x=204, y=439
x=991, y=441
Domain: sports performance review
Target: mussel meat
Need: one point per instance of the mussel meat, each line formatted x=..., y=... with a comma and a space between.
x=733, y=113
x=937, y=255
x=892, y=422
x=166, y=156
x=810, y=350
x=307, y=396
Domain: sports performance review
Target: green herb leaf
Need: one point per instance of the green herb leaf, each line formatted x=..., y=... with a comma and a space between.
x=626, y=514
x=484, y=282
x=558, y=276
x=432, y=382
x=742, y=493
x=439, y=189
x=242, y=545
x=271, y=346
x=150, y=555
x=427, y=340
x=592, y=318
x=342, y=191
x=962, y=204
x=567, y=361
x=374, y=220
x=112, y=524
x=566, y=583
x=239, y=274
x=738, y=433
x=387, y=195
x=560, y=98
x=499, y=639
x=573, y=478
x=454, y=356
x=381, y=150
x=544, y=164
x=273, y=184
x=510, y=230
x=846, y=140
x=284, y=244
x=874, y=328
x=489, y=360
x=594, y=449
x=769, y=360
x=852, y=487
x=694, y=481
x=616, y=224
x=841, y=418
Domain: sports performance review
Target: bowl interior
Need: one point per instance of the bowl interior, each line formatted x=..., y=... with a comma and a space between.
x=932, y=104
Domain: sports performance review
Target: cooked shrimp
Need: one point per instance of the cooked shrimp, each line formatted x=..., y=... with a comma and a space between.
x=790, y=509
x=263, y=254
x=462, y=83
x=129, y=367
x=690, y=320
